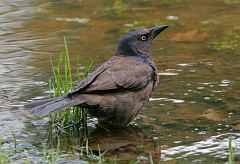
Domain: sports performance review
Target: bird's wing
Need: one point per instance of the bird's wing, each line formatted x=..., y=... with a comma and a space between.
x=90, y=78
x=117, y=74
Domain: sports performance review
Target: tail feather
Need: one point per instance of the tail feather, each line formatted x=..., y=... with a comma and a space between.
x=46, y=107
x=38, y=103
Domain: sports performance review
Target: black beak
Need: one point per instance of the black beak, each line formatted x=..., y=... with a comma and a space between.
x=156, y=30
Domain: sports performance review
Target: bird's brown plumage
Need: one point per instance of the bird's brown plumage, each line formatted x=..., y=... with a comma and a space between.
x=117, y=90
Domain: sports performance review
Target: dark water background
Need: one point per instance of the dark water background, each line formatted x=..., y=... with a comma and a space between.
x=190, y=116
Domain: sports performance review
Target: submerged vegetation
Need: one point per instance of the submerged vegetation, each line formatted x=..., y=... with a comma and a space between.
x=228, y=41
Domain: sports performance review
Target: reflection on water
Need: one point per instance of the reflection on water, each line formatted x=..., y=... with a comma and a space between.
x=215, y=146
x=166, y=99
x=190, y=115
x=125, y=143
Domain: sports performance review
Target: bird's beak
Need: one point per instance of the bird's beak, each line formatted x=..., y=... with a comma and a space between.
x=156, y=30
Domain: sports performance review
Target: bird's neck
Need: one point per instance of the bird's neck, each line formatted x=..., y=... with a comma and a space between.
x=135, y=55
x=126, y=49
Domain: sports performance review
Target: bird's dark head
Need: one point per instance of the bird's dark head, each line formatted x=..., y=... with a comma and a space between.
x=138, y=42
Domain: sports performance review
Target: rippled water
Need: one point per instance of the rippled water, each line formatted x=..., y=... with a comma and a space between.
x=189, y=117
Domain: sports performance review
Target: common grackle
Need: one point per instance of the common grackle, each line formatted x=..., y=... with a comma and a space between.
x=117, y=90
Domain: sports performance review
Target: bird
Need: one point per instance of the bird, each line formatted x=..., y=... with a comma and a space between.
x=117, y=90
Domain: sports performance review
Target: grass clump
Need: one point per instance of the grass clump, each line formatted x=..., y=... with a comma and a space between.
x=62, y=84
x=68, y=127
x=72, y=121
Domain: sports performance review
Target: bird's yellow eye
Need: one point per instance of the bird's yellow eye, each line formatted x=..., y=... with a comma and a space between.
x=143, y=38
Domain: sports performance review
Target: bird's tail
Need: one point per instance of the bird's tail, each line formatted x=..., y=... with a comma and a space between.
x=42, y=108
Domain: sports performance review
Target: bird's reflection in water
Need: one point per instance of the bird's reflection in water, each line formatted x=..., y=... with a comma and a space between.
x=124, y=143
x=119, y=143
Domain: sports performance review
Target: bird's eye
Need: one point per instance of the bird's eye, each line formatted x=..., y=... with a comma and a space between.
x=143, y=38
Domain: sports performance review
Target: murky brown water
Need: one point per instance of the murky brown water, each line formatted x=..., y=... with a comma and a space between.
x=192, y=113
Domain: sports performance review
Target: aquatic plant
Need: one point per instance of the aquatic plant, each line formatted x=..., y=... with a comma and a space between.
x=69, y=124
x=232, y=151
x=52, y=155
x=73, y=120
x=3, y=156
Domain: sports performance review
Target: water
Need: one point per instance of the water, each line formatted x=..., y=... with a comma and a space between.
x=192, y=113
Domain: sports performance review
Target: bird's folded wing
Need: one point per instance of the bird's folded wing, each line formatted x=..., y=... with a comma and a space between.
x=84, y=84
x=120, y=74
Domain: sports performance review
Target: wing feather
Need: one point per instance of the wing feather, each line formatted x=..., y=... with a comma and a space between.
x=120, y=73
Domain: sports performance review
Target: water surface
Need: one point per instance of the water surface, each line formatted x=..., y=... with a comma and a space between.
x=190, y=116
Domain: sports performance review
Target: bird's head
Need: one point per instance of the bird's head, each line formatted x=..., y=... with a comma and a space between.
x=138, y=42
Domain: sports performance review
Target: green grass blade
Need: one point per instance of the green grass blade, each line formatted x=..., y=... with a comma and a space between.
x=68, y=64
x=87, y=70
